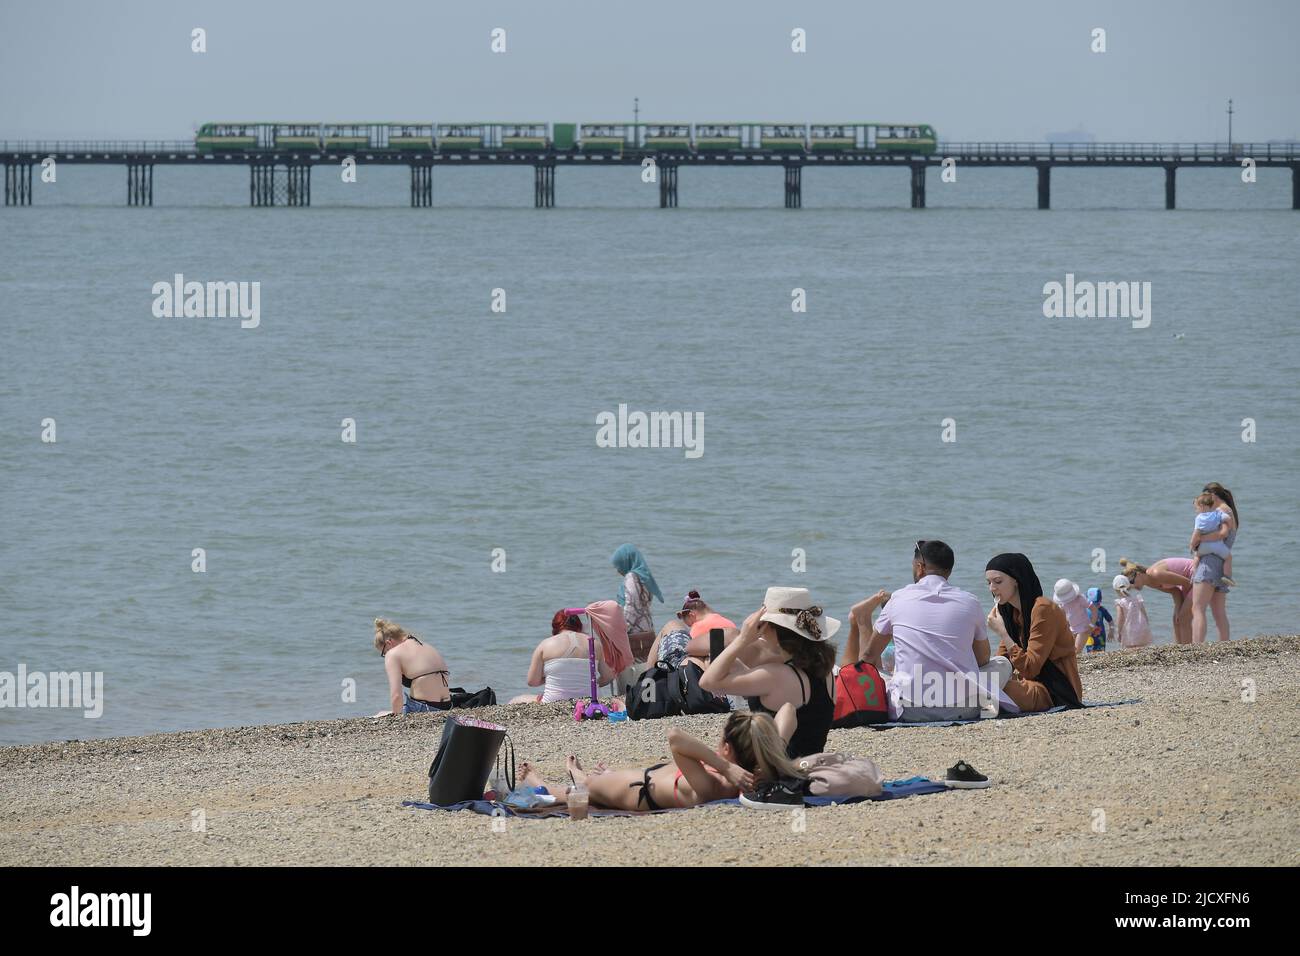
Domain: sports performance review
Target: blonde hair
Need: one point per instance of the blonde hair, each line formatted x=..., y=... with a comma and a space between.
x=1205, y=500
x=1130, y=569
x=388, y=630
x=759, y=746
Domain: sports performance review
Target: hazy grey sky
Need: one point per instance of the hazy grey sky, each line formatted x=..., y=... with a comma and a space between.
x=975, y=70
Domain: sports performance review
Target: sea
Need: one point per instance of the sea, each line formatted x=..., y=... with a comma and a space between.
x=200, y=533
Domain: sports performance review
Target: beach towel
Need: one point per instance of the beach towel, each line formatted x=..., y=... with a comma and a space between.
x=978, y=720
x=892, y=790
x=609, y=625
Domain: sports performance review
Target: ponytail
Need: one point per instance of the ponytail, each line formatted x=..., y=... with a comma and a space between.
x=759, y=746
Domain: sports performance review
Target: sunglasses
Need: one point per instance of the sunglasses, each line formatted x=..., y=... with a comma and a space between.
x=920, y=550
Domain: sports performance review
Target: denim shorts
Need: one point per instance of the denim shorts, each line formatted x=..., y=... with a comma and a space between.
x=414, y=706
x=1209, y=571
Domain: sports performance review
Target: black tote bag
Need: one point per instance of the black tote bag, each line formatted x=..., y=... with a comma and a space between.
x=465, y=757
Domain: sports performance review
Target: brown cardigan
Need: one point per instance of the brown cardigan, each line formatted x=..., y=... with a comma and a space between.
x=1049, y=639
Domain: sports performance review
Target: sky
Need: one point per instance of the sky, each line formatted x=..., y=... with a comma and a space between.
x=986, y=71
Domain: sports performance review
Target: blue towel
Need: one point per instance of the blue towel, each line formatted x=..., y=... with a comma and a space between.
x=980, y=720
x=893, y=790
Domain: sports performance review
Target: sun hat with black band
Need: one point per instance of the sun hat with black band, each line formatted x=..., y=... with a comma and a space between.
x=793, y=609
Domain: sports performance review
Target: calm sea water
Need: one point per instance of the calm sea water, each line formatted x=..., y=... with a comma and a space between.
x=476, y=430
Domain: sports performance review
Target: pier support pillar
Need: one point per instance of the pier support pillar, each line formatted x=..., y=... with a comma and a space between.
x=668, y=186
x=291, y=188
x=794, y=186
x=422, y=185
x=139, y=184
x=544, y=185
x=18, y=184
x=298, y=177
x=1295, y=187
x=1170, y=179
x=918, y=185
x=1044, y=186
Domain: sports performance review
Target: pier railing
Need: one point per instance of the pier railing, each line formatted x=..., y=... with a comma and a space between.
x=1170, y=151
x=97, y=146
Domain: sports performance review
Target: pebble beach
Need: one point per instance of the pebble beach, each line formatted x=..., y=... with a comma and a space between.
x=1201, y=771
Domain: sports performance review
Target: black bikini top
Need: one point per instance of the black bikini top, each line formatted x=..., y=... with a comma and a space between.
x=407, y=681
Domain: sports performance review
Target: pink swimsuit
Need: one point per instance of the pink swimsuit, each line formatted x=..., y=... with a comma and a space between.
x=1183, y=566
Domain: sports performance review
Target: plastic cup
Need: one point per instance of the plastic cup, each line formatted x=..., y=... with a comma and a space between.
x=578, y=803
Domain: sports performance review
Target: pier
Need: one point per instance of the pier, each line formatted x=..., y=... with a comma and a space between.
x=282, y=177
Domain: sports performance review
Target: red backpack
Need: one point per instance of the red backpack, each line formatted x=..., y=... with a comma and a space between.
x=860, y=696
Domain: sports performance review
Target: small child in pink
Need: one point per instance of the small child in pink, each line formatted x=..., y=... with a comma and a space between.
x=1131, y=624
x=1068, y=598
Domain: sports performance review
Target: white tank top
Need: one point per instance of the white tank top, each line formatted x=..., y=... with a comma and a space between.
x=567, y=677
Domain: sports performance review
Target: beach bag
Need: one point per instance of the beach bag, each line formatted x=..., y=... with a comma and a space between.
x=837, y=775
x=465, y=758
x=860, y=696
x=653, y=694
x=693, y=698
x=480, y=698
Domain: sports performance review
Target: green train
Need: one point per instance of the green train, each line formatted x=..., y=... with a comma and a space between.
x=611, y=138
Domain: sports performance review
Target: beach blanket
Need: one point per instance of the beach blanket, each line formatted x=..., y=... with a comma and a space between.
x=892, y=790
x=980, y=720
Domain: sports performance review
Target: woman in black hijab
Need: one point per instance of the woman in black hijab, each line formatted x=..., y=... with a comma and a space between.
x=1035, y=637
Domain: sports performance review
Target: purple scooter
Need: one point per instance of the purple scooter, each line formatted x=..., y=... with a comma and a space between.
x=592, y=709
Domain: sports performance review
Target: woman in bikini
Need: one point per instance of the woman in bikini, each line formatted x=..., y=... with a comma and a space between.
x=751, y=750
x=413, y=665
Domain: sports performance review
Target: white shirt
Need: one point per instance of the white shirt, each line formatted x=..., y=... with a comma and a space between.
x=934, y=626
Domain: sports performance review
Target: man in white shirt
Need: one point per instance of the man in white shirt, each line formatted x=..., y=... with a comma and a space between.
x=942, y=666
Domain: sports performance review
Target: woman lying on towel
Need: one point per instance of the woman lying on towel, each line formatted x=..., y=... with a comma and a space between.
x=751, y=750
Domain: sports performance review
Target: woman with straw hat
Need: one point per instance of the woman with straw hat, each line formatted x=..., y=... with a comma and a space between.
x=788, y=641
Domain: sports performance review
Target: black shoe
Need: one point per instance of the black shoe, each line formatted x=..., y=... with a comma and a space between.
x=778, y=795
x=962, y=776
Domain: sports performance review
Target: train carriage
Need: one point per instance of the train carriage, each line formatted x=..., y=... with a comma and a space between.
x=296, y=136
x=667, y=136
x=216, y=137
x=611, y=138
x=784, y=137
x=408, y=136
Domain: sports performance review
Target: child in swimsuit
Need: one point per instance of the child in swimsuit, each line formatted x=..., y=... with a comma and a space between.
x=1098, y=618
x=1208, y=520
x=751, y=750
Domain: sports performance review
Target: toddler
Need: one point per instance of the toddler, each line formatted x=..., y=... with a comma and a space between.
x=1066, y=595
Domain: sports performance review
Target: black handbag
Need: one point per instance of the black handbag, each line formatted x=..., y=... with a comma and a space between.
x=694, y=698
x=480, y=698
x=465, y=758
x=652, y=695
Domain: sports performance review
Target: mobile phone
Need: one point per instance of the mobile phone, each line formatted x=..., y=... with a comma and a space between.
x=715, y=642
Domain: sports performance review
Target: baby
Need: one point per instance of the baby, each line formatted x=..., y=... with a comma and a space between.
x=1208, y=520
x=1066, y=595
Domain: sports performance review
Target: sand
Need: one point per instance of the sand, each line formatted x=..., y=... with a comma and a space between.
x=1192, y=775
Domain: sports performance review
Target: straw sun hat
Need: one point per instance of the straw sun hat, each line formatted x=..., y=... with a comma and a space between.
x=793, y=608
